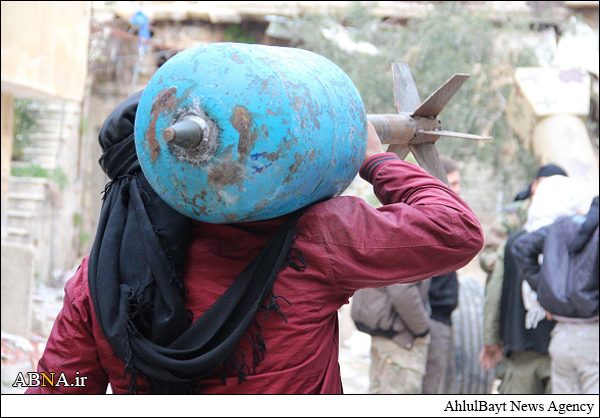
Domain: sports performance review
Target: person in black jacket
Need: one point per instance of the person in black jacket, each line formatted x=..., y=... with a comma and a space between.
x=518, y=322
x=567, y=287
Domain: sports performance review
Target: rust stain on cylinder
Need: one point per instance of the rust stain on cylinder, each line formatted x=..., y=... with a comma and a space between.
x=165, y=100
x=197, y=207
x=225, y=172
x=299, y=160
x=243, y=123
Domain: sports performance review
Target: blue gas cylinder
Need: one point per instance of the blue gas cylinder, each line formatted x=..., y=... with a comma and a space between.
x=229, y=132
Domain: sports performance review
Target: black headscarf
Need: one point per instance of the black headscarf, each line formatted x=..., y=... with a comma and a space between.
x=545, y=171
x=135, y=279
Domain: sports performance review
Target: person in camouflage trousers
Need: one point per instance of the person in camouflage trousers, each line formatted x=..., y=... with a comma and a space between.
x=397, y=318
x=511, y=219
x=396, y=369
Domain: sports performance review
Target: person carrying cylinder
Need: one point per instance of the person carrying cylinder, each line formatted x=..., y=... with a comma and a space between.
x=166, y=303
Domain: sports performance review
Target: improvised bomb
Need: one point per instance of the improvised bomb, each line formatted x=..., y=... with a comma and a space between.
x=230, y=132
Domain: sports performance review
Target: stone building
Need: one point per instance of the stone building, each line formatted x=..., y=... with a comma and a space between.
x=44, y=58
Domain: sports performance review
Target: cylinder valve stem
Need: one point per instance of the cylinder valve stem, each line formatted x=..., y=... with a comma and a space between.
x=187, y=133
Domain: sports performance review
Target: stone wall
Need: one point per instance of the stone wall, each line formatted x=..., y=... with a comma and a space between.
x=45, y=212
x=18, y=265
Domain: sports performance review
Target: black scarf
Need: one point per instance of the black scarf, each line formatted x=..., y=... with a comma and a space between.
x=135, y=279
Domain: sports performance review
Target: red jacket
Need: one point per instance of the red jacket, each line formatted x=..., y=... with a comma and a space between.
x=422, y=230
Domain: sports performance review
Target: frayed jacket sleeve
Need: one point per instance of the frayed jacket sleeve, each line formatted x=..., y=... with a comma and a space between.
x=526, y=250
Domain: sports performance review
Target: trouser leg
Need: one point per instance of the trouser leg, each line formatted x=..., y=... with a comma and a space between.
x=396, y=369
x=574, y=352
x=527, y=372
x=438, y=357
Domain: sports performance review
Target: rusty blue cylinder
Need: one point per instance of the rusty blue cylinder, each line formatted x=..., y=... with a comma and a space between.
x=279, y=128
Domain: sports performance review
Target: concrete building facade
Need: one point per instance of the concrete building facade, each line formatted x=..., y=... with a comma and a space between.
x=44, y=57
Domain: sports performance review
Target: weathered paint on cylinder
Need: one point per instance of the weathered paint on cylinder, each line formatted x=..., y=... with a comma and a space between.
x=287, y=128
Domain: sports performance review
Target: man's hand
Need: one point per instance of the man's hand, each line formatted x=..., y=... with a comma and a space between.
x=374, y=145
x=490, y=355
